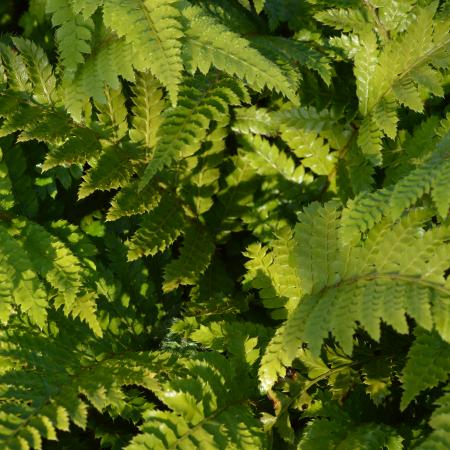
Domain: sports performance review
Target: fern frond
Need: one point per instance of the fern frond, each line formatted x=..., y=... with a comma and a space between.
x=419, y=181
x=373, y=281
x=73, y=34
x=431, y=46
x=63, y=384
x=153, y=29
x=362, y=213
x=53, y=261
x=195, y=256
x=343, y=19
x=20, y=283
x=15, y=71
x=36, y=251
x=81, y=145
x=316, y=250
x=22, y=184
x=428, y=365
x=130, y=201
x=272, y=273
x=366, y=60
x=306, y=118
x=296, y=54
x=185, y=127
x=385, y=116
x=206, y=406
x=253, y=120
x=439, y=189
x=110, y=58
x=407, y=93
x=209, y=43
x=370, y=140
x=147, y=111
x=112, y=115
x=112, y=170
x=40, y=71
x=158, y=229
x=268, y=160
x=6, y=196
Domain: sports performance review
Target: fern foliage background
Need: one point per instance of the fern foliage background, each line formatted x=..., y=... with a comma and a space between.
x=224, y=225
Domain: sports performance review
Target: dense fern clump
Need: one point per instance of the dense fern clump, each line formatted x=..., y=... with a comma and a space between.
x=224, y=225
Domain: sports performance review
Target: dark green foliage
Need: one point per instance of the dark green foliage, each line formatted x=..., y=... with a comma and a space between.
x=224, y=225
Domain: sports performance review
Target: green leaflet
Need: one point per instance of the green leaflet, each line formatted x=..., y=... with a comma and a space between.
x=377, y=279
x=185, y=127
x=159, y=228
x=209, y=43
x=417, y=377
x=153, y=29
x=195, y=256
x=203, y=406
x=53, y=406
x=21, y=283
x=74, y=34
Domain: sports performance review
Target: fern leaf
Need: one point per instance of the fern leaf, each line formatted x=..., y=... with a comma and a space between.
x=305, y=118
x=366, y=60
x=53, y=261
x=112, y=170
x=354, y=286
x=206, y=406
x=59, y=395
x=296, y=54
x=407, y=94
x=6, y=196
x=393, y=73
x=272, y=274
x=110, y=58
x=253, y=120
x=316, y=251
x=433, y=368
x=73, y=35
x=22, y=284
x=39, y=69
x=439, y=187
x=159, y=229
x=267, y=159
x=385, y=116
x=185, y=127
x=112, y=115
x=129, y=201
x=369, y=140
x=153, y=29
x=15, y=70
x=413, y=186
x=362, y=213
x=343, y=19
x=22, y=184
x=148, y=107
x=429, y=78
x=208, y=43
x=195, y=256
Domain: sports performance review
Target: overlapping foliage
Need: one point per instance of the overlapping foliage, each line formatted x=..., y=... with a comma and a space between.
x=224, y=225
